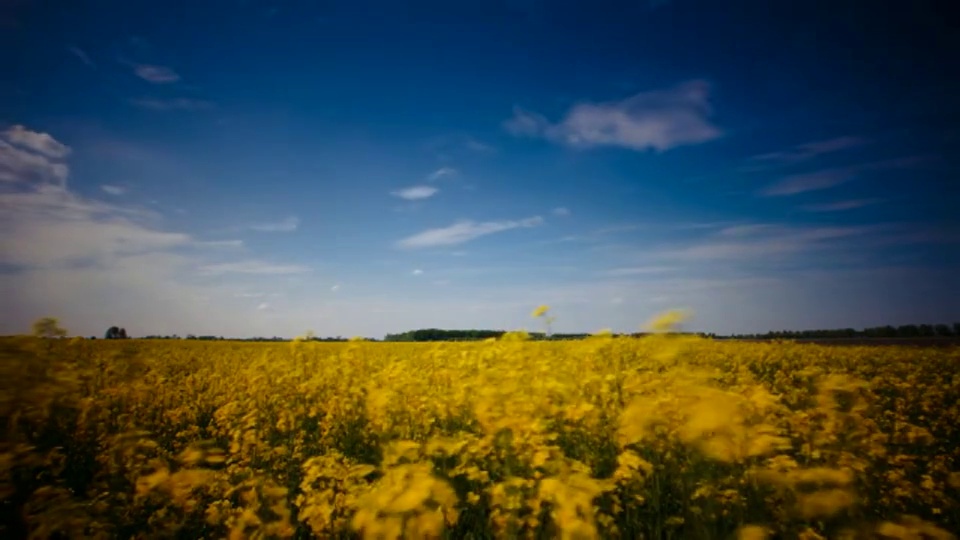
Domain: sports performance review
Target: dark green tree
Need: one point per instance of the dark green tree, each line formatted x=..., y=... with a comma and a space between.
x=48, y=327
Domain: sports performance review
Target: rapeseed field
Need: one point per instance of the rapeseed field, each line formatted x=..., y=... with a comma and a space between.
x=664, y=436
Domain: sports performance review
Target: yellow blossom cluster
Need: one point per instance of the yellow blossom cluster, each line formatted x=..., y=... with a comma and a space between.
x=664, y=436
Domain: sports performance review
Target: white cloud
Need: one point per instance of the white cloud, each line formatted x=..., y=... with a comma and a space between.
x=657, y=120
x=253, y=267
x=31, y=157
x=442, y=172
x=415, y=193
x=156, y=74
x=839, y=206
x=417, y=272
x=464, y=231
x=20, y=166
x=52, y=227
x=335, y=288
x=561, y=211
x=90, y=263
x=263, y=306
x=94, y=263
x=36, y=142
x=249, y=295
x=289, y=224
x=113, y=190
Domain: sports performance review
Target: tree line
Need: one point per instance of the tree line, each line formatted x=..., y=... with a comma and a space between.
x=438, y=334
x=256, y=338
x=49, y=327
x=903, y=331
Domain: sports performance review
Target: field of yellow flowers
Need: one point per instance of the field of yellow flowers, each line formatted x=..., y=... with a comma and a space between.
x=663, y=436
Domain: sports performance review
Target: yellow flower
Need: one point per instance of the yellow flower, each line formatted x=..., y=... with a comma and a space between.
x=540, y=311
x=753, y=532
x=665, y=322
x=824, y=503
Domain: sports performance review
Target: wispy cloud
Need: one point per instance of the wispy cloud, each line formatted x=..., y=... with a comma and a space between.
x=112, y=189
x=36, y=142
x=828, y=178
x=89, y=261
x=415, y=193
x=221, y=243
x=764, y=241
x=54, y=227
x=31, y=157
x=810, y=150
x=636, y=271
x=172, y=104
x=451, y=146
x=156, y=74
x=655, y=120
x=752, y=229
x=289, y=224
x=814, y=181
x=417, y=272
x=253, y=267
x=561, y=211
x=81, y=55
x=614, y=229
x=464, y=231
x=335, y=288
x=478, y=146
x=443, y=172
x=839, y=206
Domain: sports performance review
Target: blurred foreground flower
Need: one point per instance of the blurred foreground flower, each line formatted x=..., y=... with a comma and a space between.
x=669, y=321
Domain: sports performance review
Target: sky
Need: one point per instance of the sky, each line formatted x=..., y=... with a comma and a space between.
x=256, y=168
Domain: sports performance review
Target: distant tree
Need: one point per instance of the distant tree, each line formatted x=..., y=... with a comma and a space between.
x=908, y=330
x=123, y=333
x=48, y=327
x=943, y=330
x=112, y=333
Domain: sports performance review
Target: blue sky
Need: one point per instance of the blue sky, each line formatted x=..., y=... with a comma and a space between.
x=263, y=168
